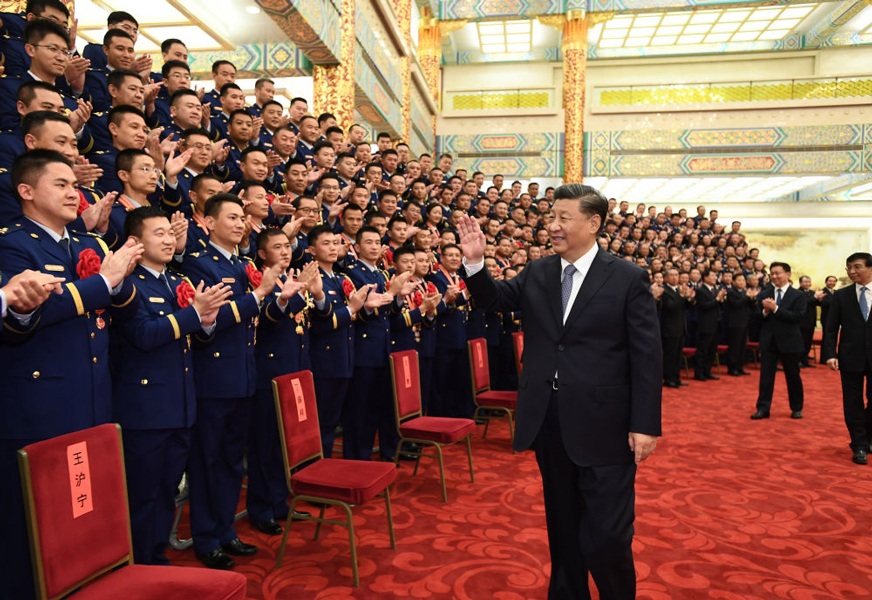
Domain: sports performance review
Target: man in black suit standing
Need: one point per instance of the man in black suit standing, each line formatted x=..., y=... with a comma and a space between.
x=708, y=316
x=809, y=320
x=741, y=301
x=849, y=312
x=782, y=308
x=589, y=396
x=673, y=304
x=825, y=299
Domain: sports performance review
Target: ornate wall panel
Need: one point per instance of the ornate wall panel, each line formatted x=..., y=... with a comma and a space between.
x=254, y=60
x=313, y=25
x=376, y=104
x=513, y=154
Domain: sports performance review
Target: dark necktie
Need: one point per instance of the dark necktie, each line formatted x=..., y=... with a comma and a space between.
x=566, y=285
x=778, y=298
x=65, y=244
x=864, y=304
x=165, y=281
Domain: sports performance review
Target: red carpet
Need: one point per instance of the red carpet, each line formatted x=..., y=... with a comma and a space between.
x=727, y=509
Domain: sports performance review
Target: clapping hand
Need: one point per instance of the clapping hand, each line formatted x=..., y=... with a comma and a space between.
x=207, y=301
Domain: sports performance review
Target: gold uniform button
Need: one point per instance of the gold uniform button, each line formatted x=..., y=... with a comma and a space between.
x=186, y=369
x=327, y=348
x=144, y=382
x=270, y=355
x=249, y=343
x=364, y=335
x=185, y=351
x=94, y=359
x=217, y=354
x=93, y=335
x=35, y=375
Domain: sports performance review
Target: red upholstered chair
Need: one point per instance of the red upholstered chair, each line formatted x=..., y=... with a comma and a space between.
x=754, y=347
x=518, y=344
x=486, y=399
x=720, y=351
x=313, y=478
x=687, y=353
x=430, y=431
x=75, y=497
x=817, y=339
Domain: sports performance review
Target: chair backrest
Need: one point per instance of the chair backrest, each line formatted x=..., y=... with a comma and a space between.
x=75, y=497
x=407, y=385
x=297, y=414
x=478, y=365
x=518, y=344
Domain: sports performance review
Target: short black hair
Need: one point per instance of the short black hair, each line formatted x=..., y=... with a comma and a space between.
x=317, y=231
x=199, y=180
x=117, y=76
x=366, y=229
x=169, y=43
x=173, y=64
x=334, y=129
x=33, y=121
x=299, y=99
x=116, y=115
x=214, y=204
x=194, y=131
x=119, y=16
x=243, y=156
x=383, y=134
x=237, y=112
x=402, y=250
x=389, y=152
x=27, y=167
x=137, y=217
x=116, y=33
x=272, y=103
x=320, y=146
x=181, y=94
x=36, y=30
x=324, y=117
x=225, y=89
x=263, y=237
x=125, y=159
x=259, y=83
x=783, y=265
x=220, y=63
x=864, y=256
x=37, y=7
x=592, y=202
x=27, y=91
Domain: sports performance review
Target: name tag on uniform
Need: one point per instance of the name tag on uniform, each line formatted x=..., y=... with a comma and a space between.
x=53, y=268
x=228, y=280
x=159, y=300
x=331, y=292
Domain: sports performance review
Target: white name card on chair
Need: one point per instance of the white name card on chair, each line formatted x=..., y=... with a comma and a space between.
x=80, y=479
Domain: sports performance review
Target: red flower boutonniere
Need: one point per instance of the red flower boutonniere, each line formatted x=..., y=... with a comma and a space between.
x=416, y=300
x=185, y=294
x=389, y=256
x=431, y=288
x=254, y=276
x=83, y=204
x=347, y=286
x=462, y=285
x=89, y=263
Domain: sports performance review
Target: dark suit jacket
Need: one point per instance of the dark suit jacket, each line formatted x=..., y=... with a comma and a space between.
x=855, y=342
x=780, y=330
x=608, y=355
x=673, y=323
x=708, y=310
x=809, y=318
x=740, y=307
x=825, y=303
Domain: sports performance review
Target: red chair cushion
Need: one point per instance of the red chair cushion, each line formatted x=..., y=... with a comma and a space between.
x=143, y=582
x=722, y=348
x=688, y=351
x=444, y=430
x=352, y=481
x=753, y=345
x=497, y=399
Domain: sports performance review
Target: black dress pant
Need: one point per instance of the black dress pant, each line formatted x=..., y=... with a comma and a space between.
x=672, y=347
x=736, y=339
x=706, y=346
x=589, y=513
x=807, y=338
x=858, y=414
x=790, y=361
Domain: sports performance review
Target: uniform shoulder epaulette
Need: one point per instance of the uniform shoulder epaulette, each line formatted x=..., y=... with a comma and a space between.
x=11, y=229
x=195, y=254
x=100, y=152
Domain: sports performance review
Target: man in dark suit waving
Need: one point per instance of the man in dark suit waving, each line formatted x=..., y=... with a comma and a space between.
x=849, y=312
x=782, y=308
x=589, y=396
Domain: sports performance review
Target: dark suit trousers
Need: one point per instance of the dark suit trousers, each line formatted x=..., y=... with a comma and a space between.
x=858, y=417
x=267, y=494
x=672, y=358
x=216, y=469
x=330, y=396
x=14, y=555
x=736, y=339
x=589, y=513
x=155, y=461
x=706, y=346
x=790, y=361
x=807, y=337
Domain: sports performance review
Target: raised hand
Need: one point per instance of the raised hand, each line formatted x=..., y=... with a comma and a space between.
x=179, y=225
x=336, y=210
x=401, y=285
x=207, y=301
x=205, y=111
x=268, y=283
x=431, y=301
x=96, y=216
x=273, y=160
x=118, y=265
x=291, y=288
x=256, y=124
x=80, y=116
x=86, y=172
x=75, y=72
x=375, y=300
x=472, y=240
x=175, y=164
x=451, y=294
x=358, y=297
x=220, y=150
x=292, y=228
x=310, y=275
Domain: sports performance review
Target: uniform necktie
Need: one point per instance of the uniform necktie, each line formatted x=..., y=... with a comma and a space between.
x=65, y=244
x=163, y=278
x=864, y=305
x=778, y=298
x=566, y=285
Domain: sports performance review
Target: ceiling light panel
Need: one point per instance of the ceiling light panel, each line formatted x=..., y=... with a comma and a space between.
x=499, y=37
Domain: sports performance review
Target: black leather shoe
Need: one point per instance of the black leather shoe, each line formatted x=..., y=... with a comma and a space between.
x=734, y=373
x=217, y=559
x=671, y=384
x=744, y=372
x=760, y=415
x=239, y=548
x=297, y=515
x=859, y=456
x=268, y=527
x=411, y=447
x=700, y=378
x=797, y=414
x=682, y=384
x=712, y=377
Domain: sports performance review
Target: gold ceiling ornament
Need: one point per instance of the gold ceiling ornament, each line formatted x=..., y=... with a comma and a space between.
x=556, y=21
x=595, y=18
x=446, y=27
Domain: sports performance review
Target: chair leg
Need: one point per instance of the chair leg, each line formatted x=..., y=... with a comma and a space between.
x=321, y=518
x=397, y=454
x=469, y=454
x=511, y=430
x=390, y=517
x=686, y=367
x=350, y=523
x=287, y=531
x=441, y=471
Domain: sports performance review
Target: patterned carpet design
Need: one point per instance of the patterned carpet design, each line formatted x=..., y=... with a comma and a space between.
x=727, y=509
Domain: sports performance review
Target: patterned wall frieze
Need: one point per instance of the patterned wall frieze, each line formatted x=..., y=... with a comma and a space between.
x=537, y=54
x=313, y=25
x=541, y=153
x=365, y=27
x=831, y=149
x=376, y=104
x=825, y=27
x=254, y=60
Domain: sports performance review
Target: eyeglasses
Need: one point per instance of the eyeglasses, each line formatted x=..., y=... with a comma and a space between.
x=198, y=146
x=329, y=187
x=307, y=211
x=181, y=76
x=149, y=170
x=54, y=49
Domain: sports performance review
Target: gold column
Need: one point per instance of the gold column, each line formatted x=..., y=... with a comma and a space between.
x=333, y=85
x=574, y=47
x=12, y=6
x=430, y=53
x=403, y=12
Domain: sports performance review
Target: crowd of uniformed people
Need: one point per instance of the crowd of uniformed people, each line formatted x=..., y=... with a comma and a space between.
x=165, y=252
